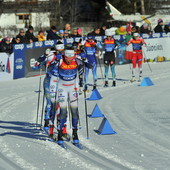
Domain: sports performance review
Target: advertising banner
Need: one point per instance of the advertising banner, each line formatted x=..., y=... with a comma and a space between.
x=19, y=61
x=6, y=66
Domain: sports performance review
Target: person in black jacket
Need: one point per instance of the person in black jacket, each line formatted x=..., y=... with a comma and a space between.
x=144, y=29
x=52, y=34
x=21, y=36
x=167, y=28
x=158, y=28
x=30, y=35
x=6, y=45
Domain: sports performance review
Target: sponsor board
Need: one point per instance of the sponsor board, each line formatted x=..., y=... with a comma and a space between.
x=6, y=66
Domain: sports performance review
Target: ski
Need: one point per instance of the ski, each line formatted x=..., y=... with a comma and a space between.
x=78, y=145
x=62, y=144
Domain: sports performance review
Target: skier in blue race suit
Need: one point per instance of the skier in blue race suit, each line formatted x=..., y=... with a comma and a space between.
x=90, y=50
x=49, y=82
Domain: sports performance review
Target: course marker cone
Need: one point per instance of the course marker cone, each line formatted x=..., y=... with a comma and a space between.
x=95, y=95
x=105, y=128
x=96, y=112
x=146, y=82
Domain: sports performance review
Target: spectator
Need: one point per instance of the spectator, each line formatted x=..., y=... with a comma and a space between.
x=6, y=45
x=52, y=34
x=66, y=34
x=96, y=32
x=41, y=36
x=67, y=28
x=167, y=28
x=79, y=31
x=158, y=28
x=144, y=29
x=21, y=36
x=75, y=33
x=30, y=35
x=16, y=40
x=102, y=30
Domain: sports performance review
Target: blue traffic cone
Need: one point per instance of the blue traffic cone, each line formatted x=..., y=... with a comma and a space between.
x=95, y=95
x=146, y=82
x=105, y=128
x=96, y=112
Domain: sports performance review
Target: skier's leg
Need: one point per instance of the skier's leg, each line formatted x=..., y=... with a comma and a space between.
x=140, y=57
x=48, y=101
x=134, y=60
x=112, y=67
x=106, y=71
x=73, y=95
x=94, y=72
x=86, y=78
x=62, y=98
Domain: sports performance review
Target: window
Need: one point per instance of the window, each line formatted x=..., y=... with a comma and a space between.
x=23, y=19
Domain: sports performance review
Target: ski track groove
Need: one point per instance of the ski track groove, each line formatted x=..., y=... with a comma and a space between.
x=95, y=151
x=7, y=153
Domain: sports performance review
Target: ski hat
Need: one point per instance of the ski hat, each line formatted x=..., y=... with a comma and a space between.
x=160, y=20
x=108, y=32
x=53, y=27
x=75, y=44
x=136, y=34
x=59, y=45
x=61, y=31
x=69, y=53
x=145, y=25
x=90, y=37
x=7, y=39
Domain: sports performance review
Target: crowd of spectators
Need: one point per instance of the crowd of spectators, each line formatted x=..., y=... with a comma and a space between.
x=51, y=34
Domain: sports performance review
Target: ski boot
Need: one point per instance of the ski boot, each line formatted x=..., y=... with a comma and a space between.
x=85, y=88
x=46, y=124
x=140, y=78
x=65, y=134
x=106, y=84
x=60, y=137
x=114, y=83
x=94, y=86
x=51, y=133
x=75, y=136
x=133, y=79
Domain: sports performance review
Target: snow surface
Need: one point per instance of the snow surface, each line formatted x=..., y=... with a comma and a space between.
x=139, y=115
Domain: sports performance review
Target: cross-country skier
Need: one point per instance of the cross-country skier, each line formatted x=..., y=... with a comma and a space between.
x=90, y=50
x=49, y=83
x=109, y=45
x=69, y=67
x=137, y=57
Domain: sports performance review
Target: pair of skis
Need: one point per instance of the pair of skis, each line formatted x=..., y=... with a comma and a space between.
x=62, y=144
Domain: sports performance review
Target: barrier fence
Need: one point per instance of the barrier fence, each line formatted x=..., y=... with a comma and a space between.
x=19, y=63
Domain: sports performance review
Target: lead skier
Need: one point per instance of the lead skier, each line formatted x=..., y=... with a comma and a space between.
x=69, y=66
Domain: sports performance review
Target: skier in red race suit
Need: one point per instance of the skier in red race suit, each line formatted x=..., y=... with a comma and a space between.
x=137, y=57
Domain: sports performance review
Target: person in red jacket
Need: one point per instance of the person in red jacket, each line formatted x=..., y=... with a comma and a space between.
x=137, y=56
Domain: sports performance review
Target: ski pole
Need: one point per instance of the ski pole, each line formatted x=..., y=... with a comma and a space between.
x=39, y=90
x=69, y=112
x=147, y=61
x=85, y=104
x=101, y=69
x=42, y=111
